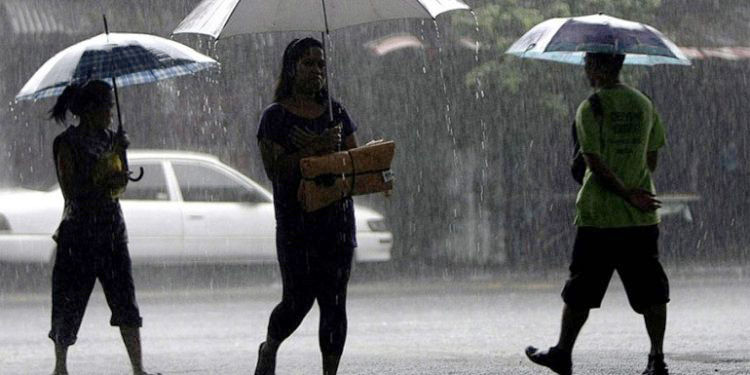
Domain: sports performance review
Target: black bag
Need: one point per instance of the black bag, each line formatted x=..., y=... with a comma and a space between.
x=578, y=165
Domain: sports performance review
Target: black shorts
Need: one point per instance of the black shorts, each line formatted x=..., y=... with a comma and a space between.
x=632, y=251
x=78, y=264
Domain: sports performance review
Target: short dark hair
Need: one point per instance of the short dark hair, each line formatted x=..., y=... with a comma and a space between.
x=608, y=61
x=293, y=52
x=79, y=97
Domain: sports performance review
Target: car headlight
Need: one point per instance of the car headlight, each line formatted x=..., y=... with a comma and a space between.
x=377, y=225
x=4, y=224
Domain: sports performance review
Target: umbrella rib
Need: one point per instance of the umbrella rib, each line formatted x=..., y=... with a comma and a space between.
x=424, y=8
x=546, y=49
x=234, y=9
x=325, y=16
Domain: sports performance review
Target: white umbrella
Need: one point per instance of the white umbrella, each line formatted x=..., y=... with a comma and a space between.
x=231, y=17
x=568, y=40
x=129, y=58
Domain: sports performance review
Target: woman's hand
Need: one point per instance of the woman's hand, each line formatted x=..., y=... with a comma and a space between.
x=121, y=141
x=118, y=180
x=326, y=142
x=643, y=199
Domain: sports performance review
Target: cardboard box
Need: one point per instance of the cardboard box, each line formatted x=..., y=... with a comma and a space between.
x=374, y=156
x=362, y=170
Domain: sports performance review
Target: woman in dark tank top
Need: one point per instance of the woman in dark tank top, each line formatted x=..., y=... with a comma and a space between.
x=91, y=239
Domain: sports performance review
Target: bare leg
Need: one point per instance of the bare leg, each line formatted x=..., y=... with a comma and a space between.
x=271, y=345
x=131, y=336
x=331, y=364
x=572, y=322
x=267, y=356
x=656, y=323
x=61, y=356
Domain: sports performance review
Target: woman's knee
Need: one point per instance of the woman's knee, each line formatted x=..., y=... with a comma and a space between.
x=296, y=306
x=332, y=313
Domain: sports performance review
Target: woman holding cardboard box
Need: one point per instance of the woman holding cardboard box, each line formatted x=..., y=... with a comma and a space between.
x=314, y=249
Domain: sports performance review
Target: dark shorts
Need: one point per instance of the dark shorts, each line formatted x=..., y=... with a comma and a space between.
x=632, y=251
x=78, y=265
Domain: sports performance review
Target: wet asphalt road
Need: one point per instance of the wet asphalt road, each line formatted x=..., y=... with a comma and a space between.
x=457, y=326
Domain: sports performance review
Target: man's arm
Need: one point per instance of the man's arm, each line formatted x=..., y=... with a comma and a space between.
x=640, y=198
x=651, y=157
x=604, y=175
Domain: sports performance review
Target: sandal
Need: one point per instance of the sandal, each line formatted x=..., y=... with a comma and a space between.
x=553, y=358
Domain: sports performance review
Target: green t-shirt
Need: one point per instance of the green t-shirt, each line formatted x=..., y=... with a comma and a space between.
x=630, y=129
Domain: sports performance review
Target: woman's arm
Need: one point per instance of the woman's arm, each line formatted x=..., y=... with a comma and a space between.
x=65, y=169
x=350, y=142
x=281, y=164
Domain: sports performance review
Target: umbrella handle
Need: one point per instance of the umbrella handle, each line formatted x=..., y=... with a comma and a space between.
x=140, y=175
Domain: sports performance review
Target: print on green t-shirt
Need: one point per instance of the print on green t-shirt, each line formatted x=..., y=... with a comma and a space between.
x=630, y=129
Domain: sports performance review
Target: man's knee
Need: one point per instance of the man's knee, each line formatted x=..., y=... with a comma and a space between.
x=651, y=310
x=577, y=309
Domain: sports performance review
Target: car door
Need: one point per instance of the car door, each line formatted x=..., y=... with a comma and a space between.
x=225, y=218
x=152, y=216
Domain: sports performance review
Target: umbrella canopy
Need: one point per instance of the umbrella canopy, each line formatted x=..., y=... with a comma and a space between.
x=232, y=17
x=568, y=40
x=131, y=58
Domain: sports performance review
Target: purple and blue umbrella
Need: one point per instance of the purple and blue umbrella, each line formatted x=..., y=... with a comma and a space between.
x=567, y=40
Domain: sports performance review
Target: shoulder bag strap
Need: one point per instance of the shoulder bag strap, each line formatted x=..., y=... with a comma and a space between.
x=596, y=107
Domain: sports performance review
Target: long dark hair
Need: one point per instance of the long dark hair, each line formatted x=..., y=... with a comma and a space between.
x=293, y=52
x=79, y=98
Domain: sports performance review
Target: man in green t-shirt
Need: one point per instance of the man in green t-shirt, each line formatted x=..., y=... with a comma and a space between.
x=619, y=133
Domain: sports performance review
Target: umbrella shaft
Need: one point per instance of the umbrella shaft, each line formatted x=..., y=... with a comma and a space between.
x=323, y=37
x=117, y=105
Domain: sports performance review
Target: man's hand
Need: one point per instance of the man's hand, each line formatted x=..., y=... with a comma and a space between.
x=643, y=200
x=328, y=141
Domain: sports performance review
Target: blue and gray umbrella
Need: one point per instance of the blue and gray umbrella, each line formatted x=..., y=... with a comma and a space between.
x=131, y=59
x=567, y=40
x=121, y=59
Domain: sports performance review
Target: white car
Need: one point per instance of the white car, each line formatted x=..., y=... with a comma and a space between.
x=188, y=208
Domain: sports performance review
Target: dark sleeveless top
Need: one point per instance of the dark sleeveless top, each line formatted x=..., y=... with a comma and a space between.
x=91, y=213
x=329, y=226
